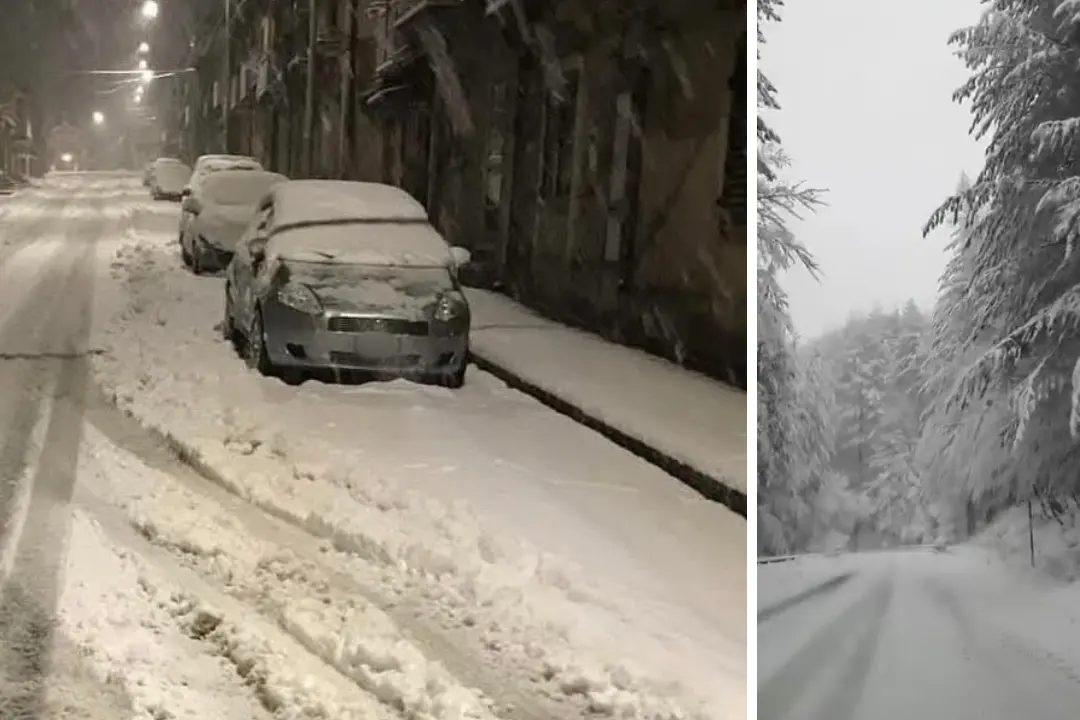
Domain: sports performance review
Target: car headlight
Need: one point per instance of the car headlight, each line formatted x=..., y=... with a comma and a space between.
x=449, y=309
x=299, y=297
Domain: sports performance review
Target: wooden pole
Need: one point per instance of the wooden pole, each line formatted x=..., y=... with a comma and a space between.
x=1031, y=533
x=308, y=154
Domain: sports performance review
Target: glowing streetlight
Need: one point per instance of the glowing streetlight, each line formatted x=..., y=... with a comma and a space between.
x=150, y=9
x=142, y=65
x=98, y=117
x=144, y=47
x=146, y=76
x=66, y=157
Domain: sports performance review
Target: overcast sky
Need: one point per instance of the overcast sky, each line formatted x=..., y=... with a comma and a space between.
x=865, y=88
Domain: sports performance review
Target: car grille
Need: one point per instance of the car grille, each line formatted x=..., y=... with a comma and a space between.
x=348, y=359
x=391, y=326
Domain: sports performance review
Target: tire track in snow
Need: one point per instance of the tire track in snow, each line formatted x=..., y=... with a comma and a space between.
x=158, y=454
x=59, y=320
x=842, y=649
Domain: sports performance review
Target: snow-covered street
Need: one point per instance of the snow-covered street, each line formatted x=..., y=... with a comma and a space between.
x=916, y=633
x=217, y=544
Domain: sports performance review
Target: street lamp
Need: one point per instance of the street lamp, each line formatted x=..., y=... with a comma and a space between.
x=150, y=9
x=98, y=117
x=142, y=65
x=146, y=76
x=144, y=47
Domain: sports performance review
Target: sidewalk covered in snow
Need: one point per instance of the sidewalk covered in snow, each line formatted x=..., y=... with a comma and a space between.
x=693, y=426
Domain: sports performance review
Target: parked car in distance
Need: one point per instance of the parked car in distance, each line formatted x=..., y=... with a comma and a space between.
x=347, y=276
x=207, y=165
x=148, y=171
x=221, y=207
x=168, y=178
x=7, y=184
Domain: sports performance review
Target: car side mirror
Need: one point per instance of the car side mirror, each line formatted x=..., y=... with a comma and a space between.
x=461, y=256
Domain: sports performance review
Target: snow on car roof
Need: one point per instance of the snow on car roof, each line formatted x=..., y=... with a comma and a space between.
x=334, y=201
x=387, y=244
x=239, y=186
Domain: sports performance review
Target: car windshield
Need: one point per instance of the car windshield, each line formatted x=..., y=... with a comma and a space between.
x=417, y=282
x=245, y=189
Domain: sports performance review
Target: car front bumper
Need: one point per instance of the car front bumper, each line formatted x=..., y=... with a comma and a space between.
x=297, y=340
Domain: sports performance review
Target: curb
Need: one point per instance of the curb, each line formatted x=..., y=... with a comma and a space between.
x=709, y=487
x=767, y=613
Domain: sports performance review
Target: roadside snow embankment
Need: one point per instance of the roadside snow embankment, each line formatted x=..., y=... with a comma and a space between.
x=325, y=461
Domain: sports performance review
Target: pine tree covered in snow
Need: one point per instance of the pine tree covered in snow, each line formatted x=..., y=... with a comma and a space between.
x=876, y=366
x=1015, y=300
x=792, y=437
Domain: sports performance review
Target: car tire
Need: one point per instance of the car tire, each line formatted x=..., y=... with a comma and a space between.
x=255, y=348
x=454, y=379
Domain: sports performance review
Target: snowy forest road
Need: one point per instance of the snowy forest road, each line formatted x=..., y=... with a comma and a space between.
x=911, y=634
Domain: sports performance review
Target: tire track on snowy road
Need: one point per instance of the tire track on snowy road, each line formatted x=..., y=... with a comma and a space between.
x=56, y=322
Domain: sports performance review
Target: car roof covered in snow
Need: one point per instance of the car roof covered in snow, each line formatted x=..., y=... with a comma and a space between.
x=318, y=202
x=392, y=244
x=241, y=176
x=215, y=162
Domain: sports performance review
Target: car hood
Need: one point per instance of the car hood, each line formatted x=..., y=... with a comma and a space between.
x=378, y=297
x=222, y=225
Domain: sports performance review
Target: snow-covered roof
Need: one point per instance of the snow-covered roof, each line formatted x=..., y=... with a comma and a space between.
x=388, y=244
x=238, y=187
x=218, y=161
x=334, y=201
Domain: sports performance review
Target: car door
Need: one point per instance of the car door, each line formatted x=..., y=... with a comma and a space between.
x=246, y=270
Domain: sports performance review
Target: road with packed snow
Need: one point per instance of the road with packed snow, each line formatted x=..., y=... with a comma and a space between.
x=184, y=538
x=915, y=633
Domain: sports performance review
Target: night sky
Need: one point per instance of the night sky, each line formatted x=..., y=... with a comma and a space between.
x=50, y=45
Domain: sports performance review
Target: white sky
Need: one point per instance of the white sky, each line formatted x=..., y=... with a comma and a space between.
x=865, y=88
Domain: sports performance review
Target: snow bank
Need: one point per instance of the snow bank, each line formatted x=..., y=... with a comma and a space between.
x=1057, y=545
x=530, y=610
x=636, y=393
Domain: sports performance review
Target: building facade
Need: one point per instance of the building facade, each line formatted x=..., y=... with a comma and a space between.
x=590, y=153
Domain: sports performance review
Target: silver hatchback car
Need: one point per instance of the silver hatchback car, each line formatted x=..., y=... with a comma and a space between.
x=347, y=276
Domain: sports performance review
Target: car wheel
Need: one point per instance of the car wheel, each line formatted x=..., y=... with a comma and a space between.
x=453, y=378
x=256, y=355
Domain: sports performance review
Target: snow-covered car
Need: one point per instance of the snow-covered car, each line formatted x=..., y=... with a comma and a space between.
x=347, y=276
x=7, y=184
x=168, y=178
x=221, y=207
x=207, y=165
